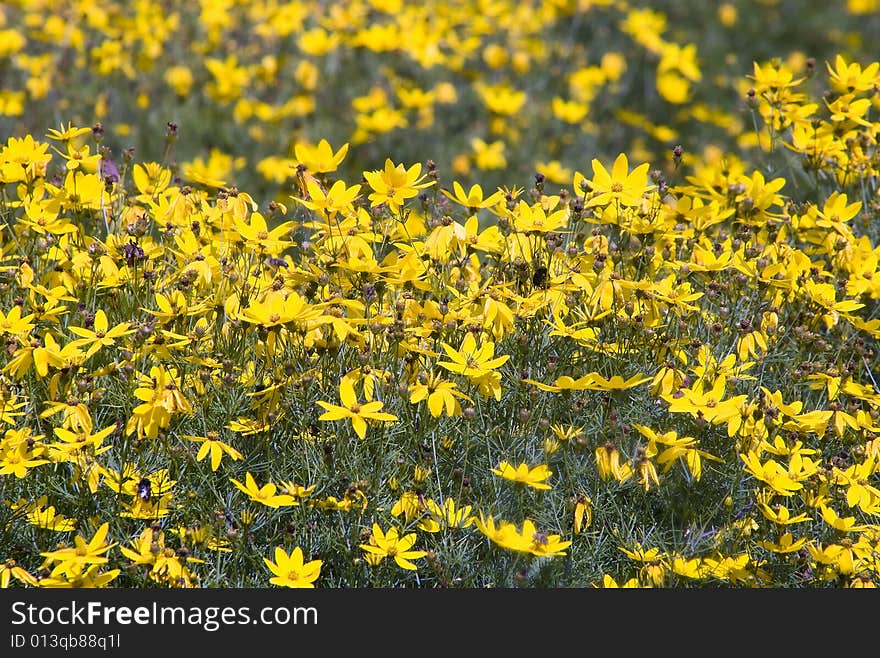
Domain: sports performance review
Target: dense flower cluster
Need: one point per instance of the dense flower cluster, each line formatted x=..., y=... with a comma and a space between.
x=500, y=89
x=632, y=373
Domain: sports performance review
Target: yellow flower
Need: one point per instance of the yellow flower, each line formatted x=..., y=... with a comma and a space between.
x=393, y=545
x=620, y=186
x=781, y=515
x=569, y=111
x=847, y=78
x=46, y=517
x=843, y=524
x=151, y=179
x=257, y=234
x=501, y=99
x=9, y=569
x=473, y=199
x=488, y=155
x=533, y=477
x=583, y=513
x=67, y=134
x=265, y=495
x=217, y=449
x=102, y=336
x=338, y=199
x=448, y=515
x=441, y=396
x=291, y=570
x=17, y=458
x=470, y=361
x=82, y=553
x=528, y=540
x=608, y=582
x=504, y=534
x=321, y=158
x=786, y=544
x=395, y=184
x=654, y=561
x=609, y=465
x=180, y=79
x=541, y=544
x=358, y=413
x=75, y=442
x=278, y=309
x=771, y=473
x=14, y=323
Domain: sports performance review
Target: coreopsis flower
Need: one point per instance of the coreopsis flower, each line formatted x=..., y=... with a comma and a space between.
x=395, y=184
x=266, y=495
x=849, y=110
x=411, y=504
x=534, y=218
x=856, y=478
x=211, y=444
x=706, y=400
x=569, y=111
x=291, y=570
x=583, y=513
x=83, y=553
x=645, y=469
x=14, y=323
x=488, y=155
x=280, y=308
x=75, y=414
x=655, y=563
x=772, y=474
x=620, y=186
x=527, y=540
x=668, y=447
x=17, y=458
x=440, y=395
x=48, y=519
x=851, y=77
x=337, y=199
x=473, y=199
x=687, y=567
x=358, y=413
x=166, y=566
x=321, y=157
x=781, y=515
x=71, y=442
x=541, y=544
x=504, y=533
x=472, y=361
x=609, y=464
x=393, y=545
x=80, y=158
x=835, y=559
x=66, y=134
x=162, y=397
x=43, y=357
x=9, y=569
x=258, y=237
x=23, y=159
x=151, y=179
x=90, y=577
x=447, y=515
x=501, y=99
x=608, y=582
x=840, y=523
x=523, y=474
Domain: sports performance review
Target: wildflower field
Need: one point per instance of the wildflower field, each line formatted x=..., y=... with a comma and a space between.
x=457, y=293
